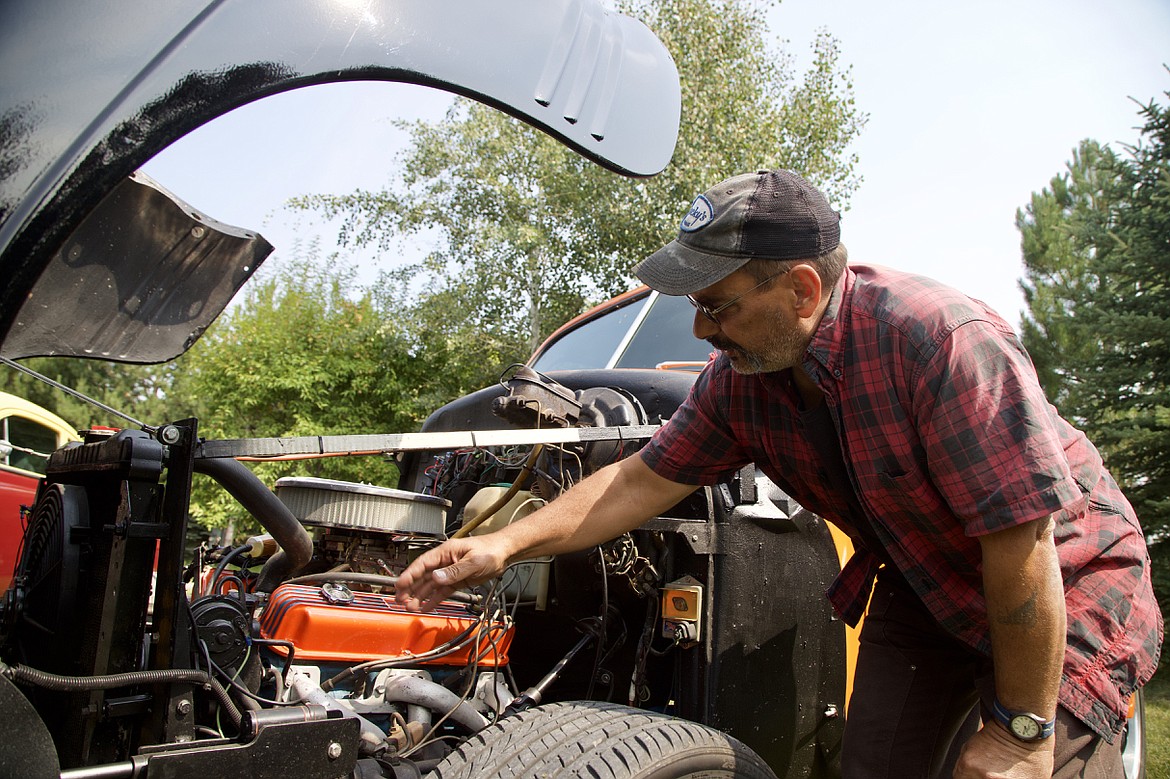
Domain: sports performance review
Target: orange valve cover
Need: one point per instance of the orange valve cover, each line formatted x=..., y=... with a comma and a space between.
x=373, y=627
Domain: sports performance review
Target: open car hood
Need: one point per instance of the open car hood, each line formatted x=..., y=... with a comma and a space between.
x=100, y=261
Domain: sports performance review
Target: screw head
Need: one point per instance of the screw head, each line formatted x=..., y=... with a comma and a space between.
x=334, y=751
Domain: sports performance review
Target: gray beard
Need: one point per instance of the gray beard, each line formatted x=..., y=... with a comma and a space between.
x=784, y=349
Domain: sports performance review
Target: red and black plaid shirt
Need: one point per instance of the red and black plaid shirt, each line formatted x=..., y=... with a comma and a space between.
x=946, y=435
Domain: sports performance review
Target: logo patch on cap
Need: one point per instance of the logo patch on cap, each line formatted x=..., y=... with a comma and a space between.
x=699, y=216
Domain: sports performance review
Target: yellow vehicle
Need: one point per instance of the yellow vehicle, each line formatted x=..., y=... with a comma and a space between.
x=28, y=433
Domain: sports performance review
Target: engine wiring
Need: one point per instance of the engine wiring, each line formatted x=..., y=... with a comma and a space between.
x=443, y=650
x=221, y=574
x=474, y=467
x=602, y=625
x=470, y=524
x=556, y=472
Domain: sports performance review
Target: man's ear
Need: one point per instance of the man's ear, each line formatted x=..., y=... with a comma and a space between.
x=806, y=285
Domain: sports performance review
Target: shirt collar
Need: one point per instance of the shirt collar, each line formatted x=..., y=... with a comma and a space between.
x=826, y=351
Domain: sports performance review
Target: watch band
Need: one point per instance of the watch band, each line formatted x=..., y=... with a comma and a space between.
x=1023, y=725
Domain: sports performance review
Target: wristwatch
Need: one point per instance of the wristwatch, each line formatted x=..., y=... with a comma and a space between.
x=1024, y=725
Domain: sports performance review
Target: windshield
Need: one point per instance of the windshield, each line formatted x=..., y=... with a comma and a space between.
x=591, y=344
x=661, y=333
x=665, y=335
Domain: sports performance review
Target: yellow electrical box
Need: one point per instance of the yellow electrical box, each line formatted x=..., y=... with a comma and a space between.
x=682, y=610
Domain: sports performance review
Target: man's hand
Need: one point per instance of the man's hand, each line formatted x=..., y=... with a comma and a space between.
x=437, y=573
x=993, y=753
x=615, y=499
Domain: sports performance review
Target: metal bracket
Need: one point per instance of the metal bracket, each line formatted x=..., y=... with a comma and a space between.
x=322, y=749
x=702, y=537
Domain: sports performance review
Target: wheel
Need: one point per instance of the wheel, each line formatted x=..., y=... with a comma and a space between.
x=1133, y=744
x=600, y=741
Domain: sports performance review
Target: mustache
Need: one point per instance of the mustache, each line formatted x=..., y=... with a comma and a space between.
x=723, y=344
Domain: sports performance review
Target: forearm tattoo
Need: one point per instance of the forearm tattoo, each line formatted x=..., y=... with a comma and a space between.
x=1023, y=615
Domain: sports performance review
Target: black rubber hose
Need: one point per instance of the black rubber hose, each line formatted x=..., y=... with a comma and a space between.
x=22, y=673
x=296, y=546
x=223, y=564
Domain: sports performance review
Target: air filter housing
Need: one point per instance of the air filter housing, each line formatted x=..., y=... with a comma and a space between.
x=342, y=504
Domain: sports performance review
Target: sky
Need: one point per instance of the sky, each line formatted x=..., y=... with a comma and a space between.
x=972, y=107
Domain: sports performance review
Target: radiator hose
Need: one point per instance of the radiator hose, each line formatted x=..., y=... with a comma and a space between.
x=296, y=546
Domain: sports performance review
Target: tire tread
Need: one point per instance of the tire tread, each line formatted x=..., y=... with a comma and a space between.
x=595, y=740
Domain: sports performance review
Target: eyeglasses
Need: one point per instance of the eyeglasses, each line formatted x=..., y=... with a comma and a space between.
x=712, y=314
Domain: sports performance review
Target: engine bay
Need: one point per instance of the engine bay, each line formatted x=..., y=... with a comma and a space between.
x=226, y=653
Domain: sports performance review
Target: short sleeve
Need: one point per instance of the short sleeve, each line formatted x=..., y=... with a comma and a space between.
x=697, y=445
x=993, y=442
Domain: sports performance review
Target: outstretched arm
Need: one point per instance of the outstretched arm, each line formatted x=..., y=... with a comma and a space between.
x=617, y=498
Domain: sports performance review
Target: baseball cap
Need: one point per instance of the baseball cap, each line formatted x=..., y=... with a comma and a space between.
x=771, y=215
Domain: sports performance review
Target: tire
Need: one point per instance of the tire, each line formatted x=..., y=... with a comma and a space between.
x=1133, y=744
x=600, y=741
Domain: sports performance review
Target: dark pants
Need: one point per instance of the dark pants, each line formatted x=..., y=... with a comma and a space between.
x=918, y=694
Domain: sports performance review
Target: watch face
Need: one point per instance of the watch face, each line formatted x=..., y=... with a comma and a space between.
x=1025, y=727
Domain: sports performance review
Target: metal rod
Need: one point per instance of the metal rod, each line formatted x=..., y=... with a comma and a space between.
x=80, y=396
x=372, y=444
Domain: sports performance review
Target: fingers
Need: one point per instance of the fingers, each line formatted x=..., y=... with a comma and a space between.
x=416, y=588
x=432, y=589
x=427, y=598
x=438, y=573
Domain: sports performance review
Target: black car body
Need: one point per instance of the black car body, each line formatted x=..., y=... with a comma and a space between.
x=643, y=653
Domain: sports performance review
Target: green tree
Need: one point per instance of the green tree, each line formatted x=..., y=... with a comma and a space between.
x=1130, y=389
x=1095, y=248
x=1065, y=235
x=529, y=232
x=1097, y=251
x=303, y=353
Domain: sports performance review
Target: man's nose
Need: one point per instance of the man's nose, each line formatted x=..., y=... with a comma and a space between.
x=703, y=328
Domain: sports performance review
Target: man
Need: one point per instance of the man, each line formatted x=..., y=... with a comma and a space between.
x=1009, y=568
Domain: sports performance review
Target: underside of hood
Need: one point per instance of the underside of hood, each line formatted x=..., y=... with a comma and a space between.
x=99, y=261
